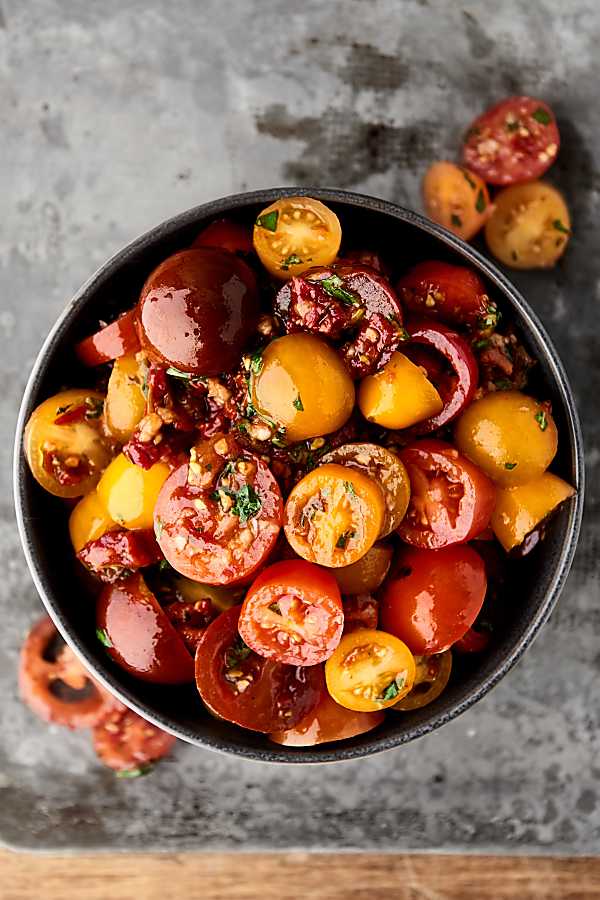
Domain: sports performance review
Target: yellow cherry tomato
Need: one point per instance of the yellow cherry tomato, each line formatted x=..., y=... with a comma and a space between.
x=509, y=435
x=369, y=670
x=432, y=675
x=88, y=521
x=129, y=492
x=521, y=509
x=529, y=227
x=399, y=395
x=221, y=597
x=367, y=573
x=456, y=198
x=294, y=234
x=303, y=386
x=334, y=515
x=125, y=403
x=64, y=445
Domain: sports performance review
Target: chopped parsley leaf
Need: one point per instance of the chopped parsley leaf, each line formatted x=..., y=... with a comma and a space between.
x=481, y=345
x=298, y=403
x=236, y=653
x=95, y=408
x=256, y=362
x=158, y=527
x=541, y=115
x=247, y=503
x=291, y=260
x=344, y=538
x=480, y=203
x=503, y=384
x=165, y=567
x=335, y=287
x=541, y=419
x=510, y=466
x=393, y=688
x=63, y=409
x=135, y=773
x=268, y=220
x=560, y=227
x=456, y=220
x=103, y=637
x=350, y=488
x=468, y=178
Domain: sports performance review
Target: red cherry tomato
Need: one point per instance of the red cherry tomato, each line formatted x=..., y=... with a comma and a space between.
x=515, y=140
x=242, y=687
x=113, y=552
x=453, y=294
x=138, y=635
x=360, y=611
x=129, y=744
x=55, y=685
x=197, y=309
x=218, y=518
x=293, y=613
x=328, y=722
x=456, y=390
x=473, y=641
x=434, y=597
x=451, y=499
x=226, y=234
x=120, y=338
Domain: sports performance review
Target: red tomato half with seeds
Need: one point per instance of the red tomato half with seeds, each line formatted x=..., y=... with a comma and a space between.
x=293, y=613
x=242, y=687
x=434, y=597
x=453, y=294
x=515, y=140
x=229, y=235
x=129, y=744
x=451, y=499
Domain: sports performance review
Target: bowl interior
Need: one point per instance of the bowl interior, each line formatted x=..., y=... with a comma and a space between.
x=533, y=583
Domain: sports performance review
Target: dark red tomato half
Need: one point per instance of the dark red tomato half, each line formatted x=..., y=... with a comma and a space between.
x=138, y=635
x=451, y=499
x=218, y=517
x=328, y=722
x=226, y=234
x=457, y=389
x=515, y=140
x=242, y=687
x=293, y=613
x=55, y=685
x=129, y=744
x=450, y=293
x=433, y=598
x=197, y=309
x=473, y=641
x=117, y=339
x=360, y=611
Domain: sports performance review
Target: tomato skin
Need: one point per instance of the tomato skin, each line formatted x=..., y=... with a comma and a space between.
x=119, y=338
x=399, y=395
x=515, y=140
x=263, y=695
x=367, y=573
x=453, y=494
x=453, y=294
x=456, y=198
x=473, y=641
x=326, y=723
x=309, y=624
x=144, y=642
x=126, y=742
x=360, y=611
x=458, y=391
x=197, y=309
x=108, y=555
x=38, y=674
x=226, y=234
x=433, y=674
x=434, y=597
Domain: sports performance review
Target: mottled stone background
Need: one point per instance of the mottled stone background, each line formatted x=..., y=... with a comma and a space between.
x=116, y=115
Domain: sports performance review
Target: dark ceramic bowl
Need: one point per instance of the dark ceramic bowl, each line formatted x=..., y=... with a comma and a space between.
x=534, y=583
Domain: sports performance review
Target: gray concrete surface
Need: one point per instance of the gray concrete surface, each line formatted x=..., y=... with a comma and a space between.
x=118, y=114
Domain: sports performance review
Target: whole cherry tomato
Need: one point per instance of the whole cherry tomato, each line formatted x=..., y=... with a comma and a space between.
x=451, y=293
x=434, y=597
x=326, y=723
x=228, y=235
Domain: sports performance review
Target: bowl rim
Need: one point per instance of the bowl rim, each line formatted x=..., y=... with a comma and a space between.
x=371, y=744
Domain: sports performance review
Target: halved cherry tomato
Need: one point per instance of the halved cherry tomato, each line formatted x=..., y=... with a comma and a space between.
x=88, y=521
x=55, y=685
x=334, y=515
x=293, y=613
x=116, y=553
x=367, y=573
x=386, y=469
x=326, y=723
x=456, y=390
x=522, y=508
x=530, y=226
x=114, y=340
x=294, y=234
x=370, y=670
x=456, y=198
x=451, y=500
x=398, y=395
x=125, y=404
x=232, y=236
x=138, y=635
x=360, y=611
x=433, y=674
x=434, y=597
x=129, y=493
x=473, y=641
x=242, y=687
x=515, y=140
x=218, y=518
x=67, y=459
x=129, y=744
x=451, y=293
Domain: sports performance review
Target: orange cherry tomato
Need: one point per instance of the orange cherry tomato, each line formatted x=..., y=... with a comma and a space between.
x=326, y=723
x=432, y=676
x=125, y=403
x=522, y=508
x=456, y=198
x=398, y=395
x=294, y=234
x=367, y=573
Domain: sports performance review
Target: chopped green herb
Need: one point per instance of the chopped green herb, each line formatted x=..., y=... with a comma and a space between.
x=236, y=653
x=335, y=287
x=481, y=345
x=268, y=220
x=247, y=503
x=480, y=203
x=291, y=260
x=256, y=362
x=393, y=688
x=350, y=488
x=298, y=403
x=177, y=373
x=135, y=773
x=492, y=317
x=456, y=220
x=158, y=527
x=503, y=384
x=242, y=427
x=274, y=607
x=468, y=178
x=541, y=419
x=343, y=539
x=165, y=567
x=145, y=387
x=510, y=466
x=103, y=637
x=279, y=441
x=541, y=115
x=560, y=227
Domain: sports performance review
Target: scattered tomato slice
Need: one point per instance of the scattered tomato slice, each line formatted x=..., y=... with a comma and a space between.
x=129, y=744
x=456, y=198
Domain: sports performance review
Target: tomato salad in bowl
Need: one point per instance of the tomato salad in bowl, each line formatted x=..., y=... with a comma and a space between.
x=298, y=475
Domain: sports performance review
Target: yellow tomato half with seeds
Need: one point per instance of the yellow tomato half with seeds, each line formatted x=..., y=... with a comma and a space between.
x=370, y=670
x=294, y=234
x=456, y=198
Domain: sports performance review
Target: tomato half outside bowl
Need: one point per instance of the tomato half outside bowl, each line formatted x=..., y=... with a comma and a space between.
x=42, y=519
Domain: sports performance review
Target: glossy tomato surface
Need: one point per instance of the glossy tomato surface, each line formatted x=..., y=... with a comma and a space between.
x=111, y=342
x=434, y=597
x=129, y=744
x=326, y=723
x=228, y=235
x=453, y=294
